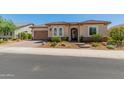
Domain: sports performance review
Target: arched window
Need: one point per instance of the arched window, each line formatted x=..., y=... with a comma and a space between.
x=55, y=31
x=60, y=32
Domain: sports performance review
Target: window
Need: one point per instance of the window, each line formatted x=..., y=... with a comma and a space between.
x=4, y=33
x=93, y=30
x=11, y=33
x=55, y=31
x=58, y=31
x=7, y=33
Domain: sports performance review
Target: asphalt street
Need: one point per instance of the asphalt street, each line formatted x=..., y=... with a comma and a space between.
x=25, y=66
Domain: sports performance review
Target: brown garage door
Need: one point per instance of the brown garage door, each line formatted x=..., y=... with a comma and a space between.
x=40, y=35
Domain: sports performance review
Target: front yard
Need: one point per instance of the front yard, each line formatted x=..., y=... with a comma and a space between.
x=90, y=45
x=4, y=42
x=62, y=44
x=115, y=41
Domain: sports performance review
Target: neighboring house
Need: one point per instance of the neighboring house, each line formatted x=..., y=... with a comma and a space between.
x=71, y=30
x=23, y=28
x=20, y=28
x=6, y=35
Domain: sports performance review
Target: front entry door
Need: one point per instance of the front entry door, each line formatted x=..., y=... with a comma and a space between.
x=74, y=34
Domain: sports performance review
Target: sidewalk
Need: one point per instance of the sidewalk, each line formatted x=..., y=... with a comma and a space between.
x=65, y=52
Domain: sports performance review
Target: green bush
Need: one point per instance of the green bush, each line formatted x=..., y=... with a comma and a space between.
x=55, y=39
x=95, y=44
x=110, y=41
x=29, y=36
x=117, y=35
x=123, y=42
x=110, y=46
x=24, y=36
x=81, y=39
x=96, y=37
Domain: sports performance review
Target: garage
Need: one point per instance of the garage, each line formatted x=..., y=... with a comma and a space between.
x=40, y=32
x=40, y=35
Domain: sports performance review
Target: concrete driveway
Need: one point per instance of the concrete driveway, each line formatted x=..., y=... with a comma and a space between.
x=26, y=43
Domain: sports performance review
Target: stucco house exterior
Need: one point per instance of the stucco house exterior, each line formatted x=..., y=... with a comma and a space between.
x=71, y=30
x=23, y=28
x=19, y=28
x=6, y=35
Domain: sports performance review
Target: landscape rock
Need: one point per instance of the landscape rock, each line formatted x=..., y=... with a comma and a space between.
x=85, y=46
x=43, y=43
x=104, y=43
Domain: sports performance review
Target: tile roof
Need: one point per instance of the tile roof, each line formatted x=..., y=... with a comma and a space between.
x=57, y=23
x=84, y=22
x=23, y=25
x=39, y=26
x=95, y=21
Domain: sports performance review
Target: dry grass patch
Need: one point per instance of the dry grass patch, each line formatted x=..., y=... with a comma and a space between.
x=63, y=44
x=10, y=41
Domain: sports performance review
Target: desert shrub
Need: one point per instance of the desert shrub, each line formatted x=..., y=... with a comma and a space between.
x=14, y=39
x=95, y=44
x=96, y=37
x=53, y=44
x=1, y=41
x=117, y=35
x=110, y=46
x=18, y=40
x=81, y=39
x=65, y=39
x=63, y=44
x=5, y=39
x=55, y=39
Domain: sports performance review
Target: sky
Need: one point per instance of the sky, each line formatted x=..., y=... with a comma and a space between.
x=45, y=18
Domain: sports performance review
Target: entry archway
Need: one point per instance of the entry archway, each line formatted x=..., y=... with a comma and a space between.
x=74, y=34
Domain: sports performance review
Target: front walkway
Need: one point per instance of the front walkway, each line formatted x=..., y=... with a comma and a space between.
x=26, y=43
x=65, y=52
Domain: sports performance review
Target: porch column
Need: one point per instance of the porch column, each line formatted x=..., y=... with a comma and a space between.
x=79, y=33
x=69, y=33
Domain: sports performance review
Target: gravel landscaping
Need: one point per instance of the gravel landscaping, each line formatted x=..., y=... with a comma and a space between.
x=90, y=45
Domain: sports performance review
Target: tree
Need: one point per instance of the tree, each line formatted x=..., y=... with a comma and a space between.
x=117, y=34
x=1, y=24
x=6, y=25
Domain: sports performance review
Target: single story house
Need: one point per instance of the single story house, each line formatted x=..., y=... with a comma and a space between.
x=6, y=35
x=19, y=28
x=23, y=28
x=71, y=30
